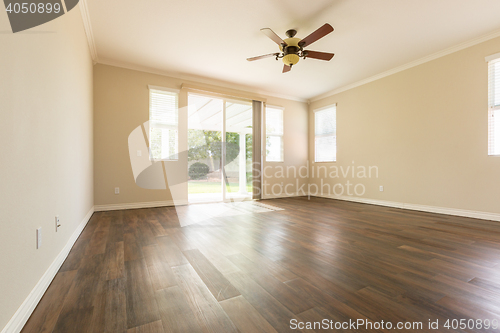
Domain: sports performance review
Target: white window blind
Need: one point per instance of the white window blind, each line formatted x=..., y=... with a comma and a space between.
x=494, y=106
x=274, y=134
x=163, y=124
x=325, y=134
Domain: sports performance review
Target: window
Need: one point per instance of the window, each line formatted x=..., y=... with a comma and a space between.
x=163, y=124
x=274, y=134
x=325, y=134
x=494, y=104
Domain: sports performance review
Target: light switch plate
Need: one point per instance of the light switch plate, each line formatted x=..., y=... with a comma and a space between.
x=58, y=222
x=39, y=237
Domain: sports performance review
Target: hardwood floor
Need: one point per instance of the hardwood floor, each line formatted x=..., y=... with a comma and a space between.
x=140, y=271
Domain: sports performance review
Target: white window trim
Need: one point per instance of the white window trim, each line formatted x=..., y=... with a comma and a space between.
x=494, y=58
x=172, y=90
x=282, y=135
x=154, y=124
x=324, y=135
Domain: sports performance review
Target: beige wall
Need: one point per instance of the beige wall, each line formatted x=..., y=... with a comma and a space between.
x=426, y=130
x=121, y=104
x=46, y=148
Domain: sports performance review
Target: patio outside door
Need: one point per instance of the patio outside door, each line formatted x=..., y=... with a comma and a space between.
x=220, y=151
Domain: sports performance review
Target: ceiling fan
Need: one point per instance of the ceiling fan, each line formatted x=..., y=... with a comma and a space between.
x=292, y=49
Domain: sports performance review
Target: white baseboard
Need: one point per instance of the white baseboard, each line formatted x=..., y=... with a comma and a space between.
x=169, y=203
x=283, y=195
x=137, y=205
x=19, y=319
x=422, y=208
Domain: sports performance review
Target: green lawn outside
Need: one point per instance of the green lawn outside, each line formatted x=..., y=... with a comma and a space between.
x=213, y=187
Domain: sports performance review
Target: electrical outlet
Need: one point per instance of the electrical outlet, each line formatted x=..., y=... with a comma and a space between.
x=117, y=190
x=381, y=189
x=39, y=238
x=58, y=222
x=139, y=153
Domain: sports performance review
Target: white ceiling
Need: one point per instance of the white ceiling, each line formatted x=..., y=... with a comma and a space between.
x=213, y=38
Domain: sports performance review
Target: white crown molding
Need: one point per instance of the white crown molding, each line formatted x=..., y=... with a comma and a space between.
x=198, y=79
x=88, y=29
x=409, y=65
x=422, y=208
x=19, y=319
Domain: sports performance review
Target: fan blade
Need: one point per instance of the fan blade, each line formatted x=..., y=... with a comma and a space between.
x=319, y=55
x=320, y=33
x=286, y=68
x=271, y=34
x=263, y=56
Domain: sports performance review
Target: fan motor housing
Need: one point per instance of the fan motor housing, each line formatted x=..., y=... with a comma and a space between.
x=291, y=42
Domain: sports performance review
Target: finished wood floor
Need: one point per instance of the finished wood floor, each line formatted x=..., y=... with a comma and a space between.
x=140, y=271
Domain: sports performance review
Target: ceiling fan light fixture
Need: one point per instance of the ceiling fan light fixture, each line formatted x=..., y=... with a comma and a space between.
x=292, y=49
x=291, y=59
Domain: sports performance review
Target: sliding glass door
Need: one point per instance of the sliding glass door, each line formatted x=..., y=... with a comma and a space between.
x=220, y=149
x=205, y=117
x=238, y=155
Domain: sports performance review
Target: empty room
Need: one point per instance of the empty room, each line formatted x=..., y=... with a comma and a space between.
x=249, y=166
